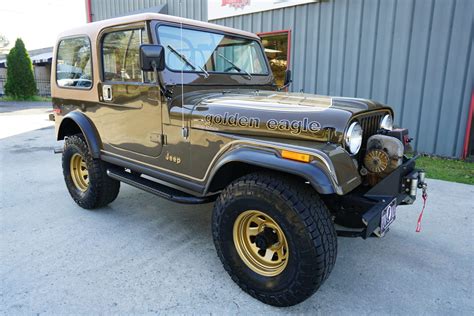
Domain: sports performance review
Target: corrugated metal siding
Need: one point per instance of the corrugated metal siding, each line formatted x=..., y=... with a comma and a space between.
x=106, y=9
x=415, y=55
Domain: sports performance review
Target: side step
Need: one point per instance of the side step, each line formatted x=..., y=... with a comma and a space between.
x=157, y=188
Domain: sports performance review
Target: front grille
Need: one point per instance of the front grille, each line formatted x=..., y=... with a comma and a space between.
x=370, y=123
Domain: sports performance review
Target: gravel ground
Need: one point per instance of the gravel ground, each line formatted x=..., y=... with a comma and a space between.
x=143, y=254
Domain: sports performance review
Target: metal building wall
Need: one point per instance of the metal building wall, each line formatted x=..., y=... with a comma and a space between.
x=106, y=9
x=415, y=55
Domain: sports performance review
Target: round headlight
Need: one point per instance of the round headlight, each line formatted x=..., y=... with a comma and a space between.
x=353, y=138
x=387, y=122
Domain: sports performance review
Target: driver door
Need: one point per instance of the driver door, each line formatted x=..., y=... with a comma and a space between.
x=131, y=119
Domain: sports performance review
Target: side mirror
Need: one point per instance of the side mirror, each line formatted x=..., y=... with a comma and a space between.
x=152, y=57
x=288, y=79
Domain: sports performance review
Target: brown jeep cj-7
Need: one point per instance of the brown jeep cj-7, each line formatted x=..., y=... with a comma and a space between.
x=190, y=111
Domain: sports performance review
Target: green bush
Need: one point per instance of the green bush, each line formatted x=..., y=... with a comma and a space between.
x=20, y=79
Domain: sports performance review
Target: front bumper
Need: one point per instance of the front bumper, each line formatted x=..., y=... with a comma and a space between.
x=402, y=184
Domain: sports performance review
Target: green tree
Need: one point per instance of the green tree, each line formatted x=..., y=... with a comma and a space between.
x=20, y=79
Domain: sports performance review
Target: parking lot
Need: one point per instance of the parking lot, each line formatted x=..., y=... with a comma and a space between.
x=143, y=254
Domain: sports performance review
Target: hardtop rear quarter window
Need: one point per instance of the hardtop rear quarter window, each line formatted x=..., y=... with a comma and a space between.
x=74, y=63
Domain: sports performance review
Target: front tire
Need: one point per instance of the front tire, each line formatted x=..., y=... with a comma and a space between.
x=86, y=178
x=275, y=237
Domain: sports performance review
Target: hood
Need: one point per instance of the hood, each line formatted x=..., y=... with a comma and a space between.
x=269, y=113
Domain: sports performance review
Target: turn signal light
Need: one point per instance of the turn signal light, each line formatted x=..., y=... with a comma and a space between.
x=295, y=156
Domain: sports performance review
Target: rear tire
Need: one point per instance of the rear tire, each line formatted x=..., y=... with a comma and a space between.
x=86, y=178
x=293, y=216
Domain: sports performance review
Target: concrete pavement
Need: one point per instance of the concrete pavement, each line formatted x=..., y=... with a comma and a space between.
x=15, y=119
x=146, y=255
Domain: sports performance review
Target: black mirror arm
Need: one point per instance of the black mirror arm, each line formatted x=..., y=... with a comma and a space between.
x=286, y=85
x=166, y=92
x=288, y=80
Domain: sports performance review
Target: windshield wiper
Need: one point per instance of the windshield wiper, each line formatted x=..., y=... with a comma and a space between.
x=189, y=63
x=235, y=66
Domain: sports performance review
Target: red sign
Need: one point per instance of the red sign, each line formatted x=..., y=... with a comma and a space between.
x=238, y=4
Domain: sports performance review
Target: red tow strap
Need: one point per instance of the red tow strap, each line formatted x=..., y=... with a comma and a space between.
x=418, y=224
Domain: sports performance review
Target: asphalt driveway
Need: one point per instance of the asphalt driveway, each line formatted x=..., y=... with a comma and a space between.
x=143, y=254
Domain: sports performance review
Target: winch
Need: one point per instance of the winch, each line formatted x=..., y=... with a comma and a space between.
x=384, y=154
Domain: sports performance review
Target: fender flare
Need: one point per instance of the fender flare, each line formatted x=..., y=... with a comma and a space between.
x=313, y=172
x=87, y=128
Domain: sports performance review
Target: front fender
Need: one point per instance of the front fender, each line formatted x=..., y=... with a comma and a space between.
x=68, y=127
x=314, y=172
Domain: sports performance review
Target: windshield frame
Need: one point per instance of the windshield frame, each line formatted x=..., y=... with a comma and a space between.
x=213, y=73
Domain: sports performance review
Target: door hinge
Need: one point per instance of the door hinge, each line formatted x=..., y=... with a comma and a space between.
x=158, y=138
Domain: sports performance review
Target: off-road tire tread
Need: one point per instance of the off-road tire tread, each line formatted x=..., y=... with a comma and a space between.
x=103, y=190
x=317, y=220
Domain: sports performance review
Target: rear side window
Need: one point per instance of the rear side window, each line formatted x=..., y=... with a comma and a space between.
x=74, y=64
x=120, y=51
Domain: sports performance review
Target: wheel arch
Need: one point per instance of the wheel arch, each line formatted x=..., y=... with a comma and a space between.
x=247, y=160
x=75, y=123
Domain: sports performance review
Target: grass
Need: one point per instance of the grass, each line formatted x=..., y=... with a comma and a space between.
x=35, y=98
x=447, y=169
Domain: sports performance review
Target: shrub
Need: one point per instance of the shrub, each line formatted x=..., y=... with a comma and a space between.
x=20, y=79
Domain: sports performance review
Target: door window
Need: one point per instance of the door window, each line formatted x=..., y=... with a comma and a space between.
x=120, y=53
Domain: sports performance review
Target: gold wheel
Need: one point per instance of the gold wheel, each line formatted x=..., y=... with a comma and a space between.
x=79, y=172
x=260, y=243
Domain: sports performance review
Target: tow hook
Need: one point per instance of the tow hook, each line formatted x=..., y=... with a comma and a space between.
x=424, y=195
x=416, y=180
x=421, y=184
x=421, y=178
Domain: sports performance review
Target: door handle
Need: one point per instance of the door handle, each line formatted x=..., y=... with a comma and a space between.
x=107, y=92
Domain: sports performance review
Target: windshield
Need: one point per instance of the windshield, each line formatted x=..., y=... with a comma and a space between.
x=212, y=52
